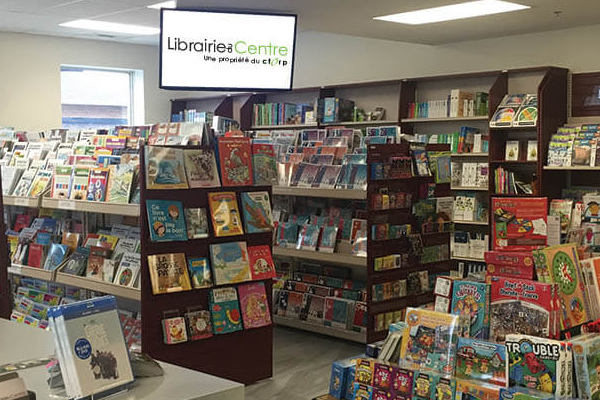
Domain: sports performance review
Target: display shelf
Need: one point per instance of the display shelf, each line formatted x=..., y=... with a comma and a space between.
x=132, y=210
x=361, y=123
x=32, y=202
x=351, y=194
x=470, y=188
x=512, y=195
x=337, y=258
x=484, y=223
x=469, y=155
x=99, y=286
x=444, y=119
x=322, y=329
x=31, y=272
x=523, y=162
x=512, y=128
x=571, y=168
x=468, y=259
x=281, y=127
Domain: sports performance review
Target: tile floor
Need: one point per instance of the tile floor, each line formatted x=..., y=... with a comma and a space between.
x=301, y=365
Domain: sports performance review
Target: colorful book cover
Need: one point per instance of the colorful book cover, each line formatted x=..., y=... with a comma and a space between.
x=328, y=239
x=520, y=306
x=197, y=223
x=563, y=209
x=261, y=262
x=94, y=267
x=429, y=341
x=198, y=324
x=225, y=310
x=120, y=180
x=423, y=385
x=254, y=305
x=264, y=164
x=61, y=183
x=79, y=183
x=174, y=330
x=199, y=272
x=308, y=237
x=201, y=168
x=166, y=220
x=472, y=299
x=258, y=216
x=97, y=184
x=40, y=182
x=235, y=158
x=519, y=224
x=485, y=361
x=230, y=263
x=337, y=312
x=165, y=168
x=105, y=240
x=586, y=352
x=168, y=273
x=523, y=393
x=129, y=269
x=327, y=176
x=225, y=214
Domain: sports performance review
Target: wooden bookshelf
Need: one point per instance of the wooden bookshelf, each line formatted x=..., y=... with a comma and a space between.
x=334, y=258
x=6, y=302
x=443, y=119
x=282, y=127
x=350, y=194
x=30, y=272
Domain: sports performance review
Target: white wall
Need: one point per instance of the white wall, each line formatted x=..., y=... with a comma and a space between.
x=30, y=65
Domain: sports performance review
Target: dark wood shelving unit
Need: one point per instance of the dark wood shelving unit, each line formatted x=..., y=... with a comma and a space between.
x=6, y=302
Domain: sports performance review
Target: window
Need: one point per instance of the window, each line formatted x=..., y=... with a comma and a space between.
x=100, y=98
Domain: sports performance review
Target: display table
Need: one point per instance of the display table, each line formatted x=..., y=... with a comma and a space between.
x=20, y=342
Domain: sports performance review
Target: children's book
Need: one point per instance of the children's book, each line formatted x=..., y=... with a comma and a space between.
x=327, y=176
x=258, y=216
x=261, y=262
x=120, y=180
x=201, y=168
x=94, y=267
x=40, y=182
x=79, y=183
x=429, y=341
x=337, y=312
x=264, y=164
x=174, y=330
x=586, y=351
x=421, y=162
x=198, y=324
x=108, y=270
x=61, y=185
x=165, y=168
x=328, y=239
x=106, y=240
x=199, y=272
x=562, y=208
x=97, y=184
x=225, y=214
x=168, y=273
x=22, y=187
x=308, y=237
x=124, y=245
x=166, y=220
x=235, y=159
x=225, y=310
x=75, y=264
x=254, y=305
x=472, y=299
x=197, y=223
x=484, y=361
x=129, y=269
x=230, y=263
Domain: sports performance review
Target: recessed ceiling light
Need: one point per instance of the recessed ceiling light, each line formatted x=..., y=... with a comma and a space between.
x=111, y=27
x=164, y=4
x=456, y=11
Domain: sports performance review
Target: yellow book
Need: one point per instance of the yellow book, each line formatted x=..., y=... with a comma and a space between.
x=168, y=273
x=112, y=240
x=225, y=214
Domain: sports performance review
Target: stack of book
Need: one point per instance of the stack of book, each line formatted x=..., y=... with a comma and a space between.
x=282, y=114
x=457, y=104
x=575, y=146
x=507, y=182
x=470, y=174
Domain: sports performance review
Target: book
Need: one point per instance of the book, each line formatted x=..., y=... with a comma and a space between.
x=235, y=159
x=264, y=164
x=512, y=150
x=201, y=168
x=124, y=245
x=166, y=220
x=198, y=324
x=75, y=264
x=328, y=239
x=174, y=330
x=196, y=222
x=40, y=183
x=336, y=312
x=308, y=237
x=258, y=216
x=261, y=262
x=108, y=270
x=254, y=305
x=225, y=311
x=61, y=182
x=165, y=168
x=129, y=269
x=95, y=265
x=22, y=187
x=472, y=299
x=532, y=150
x=168, y=273
x=199, y=272
x=327, y=176
x=97, y=184
x=10, y=177
x=484, y=361
x=563, y=209
x=230, y=263
x=120, y=180
x=587, y=365
x=35, y=258
x=225, y=214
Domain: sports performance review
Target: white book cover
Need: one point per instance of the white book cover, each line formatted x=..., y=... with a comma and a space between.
x=512, y=150
x=22, y=188
x=124, y=245
x=129, y=268
x=454, y=102
x=21, y=162
x=532, y=151
x=10, y=177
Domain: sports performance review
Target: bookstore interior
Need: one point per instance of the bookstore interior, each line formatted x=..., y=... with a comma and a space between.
x=192, y=210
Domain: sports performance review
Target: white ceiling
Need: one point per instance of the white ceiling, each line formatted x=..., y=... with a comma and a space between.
x=351, y=17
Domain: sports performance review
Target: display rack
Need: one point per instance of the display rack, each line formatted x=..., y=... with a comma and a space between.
x=6, y=302
x=245, y=356
x=349, y=194
x=335, y=258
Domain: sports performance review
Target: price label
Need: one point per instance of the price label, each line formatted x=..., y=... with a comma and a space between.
x=66, y=205
x=21, y=201
x=15, y=269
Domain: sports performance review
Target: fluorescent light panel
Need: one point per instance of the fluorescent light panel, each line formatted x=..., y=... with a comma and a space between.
x=113, y=27
x=164, y=4
x=456, y=11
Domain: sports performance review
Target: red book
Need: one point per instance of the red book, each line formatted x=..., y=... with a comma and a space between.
x=36, y=253
x=21, y=222
x=235, y=159
x=359, y=322
x=261, y=262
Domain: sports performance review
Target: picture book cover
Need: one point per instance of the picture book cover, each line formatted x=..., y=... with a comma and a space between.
x=327, y=176
x=166, y=221
x=201, y=168
x=423, y=386
x=79, y=183
x=337, y=312
x=120, y=180
x=254, y=305
x=444, y=387
x=198, y=324
x=235, y=159
x=129, y=269
x=264, y=164
x=258, y=216
x=402, y=384
x=484, y=361
x=76, y=263
x=174, y=330
x=534, y=362
x=586, y=353
x=199, y=272
x=225, y=214
x=429, y=341
x=472, y=299
x=230, y=263
x=61, y=183
x=197, y=223
x=562, y=263
x=308, y=237
x=328, y=239
x=165, y=168
x=40, y=182
x=520, y=306
x=261, y=262
x=109, y=241
x=563, y=209
x=225, y=310
x=94, y=267
x=168, y=273
x=97, y=184
x=519, y=224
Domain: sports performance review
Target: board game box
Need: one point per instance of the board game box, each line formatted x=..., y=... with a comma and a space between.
x=473, y=300
x=510, y=264
x=485, y=361
x=586, y=353
x=519, y=224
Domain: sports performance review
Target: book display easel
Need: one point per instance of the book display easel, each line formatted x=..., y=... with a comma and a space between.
x=244, y=356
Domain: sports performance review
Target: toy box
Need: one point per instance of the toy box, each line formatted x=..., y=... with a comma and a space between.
x=444, y=388
x=348, y=393
x=473, y=300
x=519, y=224
x=509, y=264
x=484, y=361
x=382, y=377
x=423, y=384
x=362, y=392
x=475, y=390
x=402, y=384
x=340, y=374
x=587, y=366
x=523, y=393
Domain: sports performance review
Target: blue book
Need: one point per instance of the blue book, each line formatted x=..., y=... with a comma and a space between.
x=166, y=221
x=257, y=212
x=200, y=274
x=473, y=300
x=43, y=238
